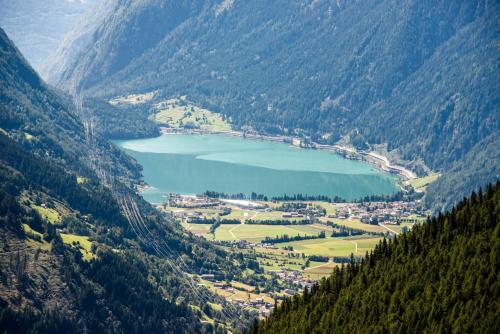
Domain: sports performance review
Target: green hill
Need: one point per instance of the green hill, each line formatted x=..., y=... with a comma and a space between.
x=442, y=277
x=70, y=257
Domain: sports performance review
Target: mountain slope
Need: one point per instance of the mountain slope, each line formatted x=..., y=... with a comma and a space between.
x=67, y=242
x=440, y=277
x=48, y=283
x=123, y=30
x=418, y=78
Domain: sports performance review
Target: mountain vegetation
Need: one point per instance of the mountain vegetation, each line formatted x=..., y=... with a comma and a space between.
x=88, y=269
x=415, y=80
x=441, y=277
x=81, y=251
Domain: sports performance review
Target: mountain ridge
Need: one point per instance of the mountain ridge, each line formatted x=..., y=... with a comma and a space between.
x=377, y=72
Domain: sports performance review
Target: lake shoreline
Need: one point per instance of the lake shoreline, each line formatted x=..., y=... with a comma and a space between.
x=372, y=158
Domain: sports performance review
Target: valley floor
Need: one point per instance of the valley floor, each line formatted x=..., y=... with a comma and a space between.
x=317, y=237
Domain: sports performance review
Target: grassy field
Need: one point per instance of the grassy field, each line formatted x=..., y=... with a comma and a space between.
x=334, y=246
x=319, y=271
x=242, y=214
x=242, y=286
x=399, y=228
x=256, y=233
x=33, y=242
x=29, y=230
x=178, y=113
x=421, y=183
x=237, y=293
x=355, y=224
x=132, y=99
x=50, y=215
x=198, y=229
x=83, y=243
x=80, y=179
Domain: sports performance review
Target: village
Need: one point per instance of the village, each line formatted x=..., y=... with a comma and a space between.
x=245, y=296
x=241, y=225
x=191, y=208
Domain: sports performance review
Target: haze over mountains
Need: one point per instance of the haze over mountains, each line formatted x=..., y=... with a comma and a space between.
x=418, y=79
x=82, y=251
x=38, y=27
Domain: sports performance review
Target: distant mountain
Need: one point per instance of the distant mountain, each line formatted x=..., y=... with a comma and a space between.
x=440, y=277
x=37, y=27
x=124, y=31
x=70, y=256
x=417, y=79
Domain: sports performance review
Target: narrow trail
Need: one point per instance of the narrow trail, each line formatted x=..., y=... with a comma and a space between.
x=320, y=266
x=388, y=229
x=356, y=245
x=234, y=228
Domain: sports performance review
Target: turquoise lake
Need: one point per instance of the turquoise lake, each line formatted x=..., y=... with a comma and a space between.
x=192, y=164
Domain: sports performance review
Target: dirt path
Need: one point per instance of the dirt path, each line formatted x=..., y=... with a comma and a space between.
x=388, y=229
x=316, y=267
x=355, y=244
x=234, y=228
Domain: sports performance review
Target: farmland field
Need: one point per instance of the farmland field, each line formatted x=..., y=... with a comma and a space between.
x=356, y=224
x=319, y=271
x=256, y=233
x=334, y=246
x=421, y=183
x=198, y=229
x=178, y=113
x=84, y=244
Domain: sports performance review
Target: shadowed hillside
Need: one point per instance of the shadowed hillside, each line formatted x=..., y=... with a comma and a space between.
x=442, y=277
x=415, y=80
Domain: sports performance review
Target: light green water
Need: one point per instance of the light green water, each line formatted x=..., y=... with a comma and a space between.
x=192, y=164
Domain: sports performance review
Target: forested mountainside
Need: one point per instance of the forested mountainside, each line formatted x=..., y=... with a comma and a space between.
x=38, y=27
x=418, y=79
x=70, y=256
x=442, y=277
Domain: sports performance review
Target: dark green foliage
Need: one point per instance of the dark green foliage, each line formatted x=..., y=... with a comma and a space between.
x=318, y=258
x=279, y=222
x=28, y=321
x=112, y=295
x=134, y=301
x=344, y=231
x=253, y=196
x=306, y=197
x=213, y=221
x=440, y=277
x=124, y=122
x=481, y=165
x=287, y=238
x=44, y=174
x=420, y=75
x=12, y=214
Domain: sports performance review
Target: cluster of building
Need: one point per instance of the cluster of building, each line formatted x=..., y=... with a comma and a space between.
x=264, y=307
x=292, y=215
x=190, y=201
x=381, y=212
x=295, y=278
